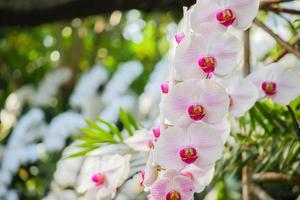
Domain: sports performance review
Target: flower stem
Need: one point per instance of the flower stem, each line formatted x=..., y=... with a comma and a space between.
x=296, y=124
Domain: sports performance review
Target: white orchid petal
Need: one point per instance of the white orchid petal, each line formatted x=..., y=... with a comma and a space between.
x=140, y=140
x=208, y=142
x=166, y=150
x=245, y=12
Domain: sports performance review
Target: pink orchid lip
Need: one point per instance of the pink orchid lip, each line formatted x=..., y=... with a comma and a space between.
x=98, y=179
x=165, y=87
x=207, y=64
x=156, y=132
x=270, y=88
x=196, y=112
x=188, y=155
x=226, y=17
x=173, y=195
x=179, y=37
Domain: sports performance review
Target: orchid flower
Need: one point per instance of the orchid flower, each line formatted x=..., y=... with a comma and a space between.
x=200, y=100
x=277, y=83
x=242, y=94
x=237, y=13
x=142, y=140
x=172, y=186
x=200, y=176
x=199, y=55
x=199, y=144
x=101, y=176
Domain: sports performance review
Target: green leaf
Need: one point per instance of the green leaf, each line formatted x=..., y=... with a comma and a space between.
x=93, y=125
x=82, y=153
x=101, y=136
x=126, y=121
x=133, y=121
x=113, y=128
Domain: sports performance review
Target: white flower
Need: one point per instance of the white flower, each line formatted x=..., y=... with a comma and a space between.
x=199, y=144
x=172, y=186
x=277, y=83
x=68, y=169
x=236, y=13
x=101, y=176
x=202, y=100
x=207, y=53
x=142, y=140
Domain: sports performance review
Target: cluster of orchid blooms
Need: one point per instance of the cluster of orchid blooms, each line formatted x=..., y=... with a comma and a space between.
x=203, y=88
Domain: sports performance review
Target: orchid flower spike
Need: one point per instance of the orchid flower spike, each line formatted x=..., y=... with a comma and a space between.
x=199, y=144
x=237, y=13
x=277, y=82
x=199, y=100
x=172, y=186
x=207, y=53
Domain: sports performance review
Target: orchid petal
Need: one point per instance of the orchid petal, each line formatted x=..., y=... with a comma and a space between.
x=208, y=142
x=185, y=187
x=167, y=148
x=160, y=188
x=245, y=12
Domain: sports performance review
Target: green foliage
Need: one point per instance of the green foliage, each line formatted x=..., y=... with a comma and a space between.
x=100, y=132
x=265, y=141
x=297, y=24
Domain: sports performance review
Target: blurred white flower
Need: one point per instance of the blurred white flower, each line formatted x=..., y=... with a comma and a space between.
x=132, y=189
x=62, y=127
x=48, y=88
x=121, y=80
x=101, y=176
x=85, y=95
x=67, y=169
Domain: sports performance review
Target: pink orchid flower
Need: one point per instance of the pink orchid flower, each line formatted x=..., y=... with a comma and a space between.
x=242, y=94
x=277, y=83
x=101, y=176
x=237, y=13
x=200, y=176
x=172, y=186
x=199, y=55
x=199, y=144
x=200, y=100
